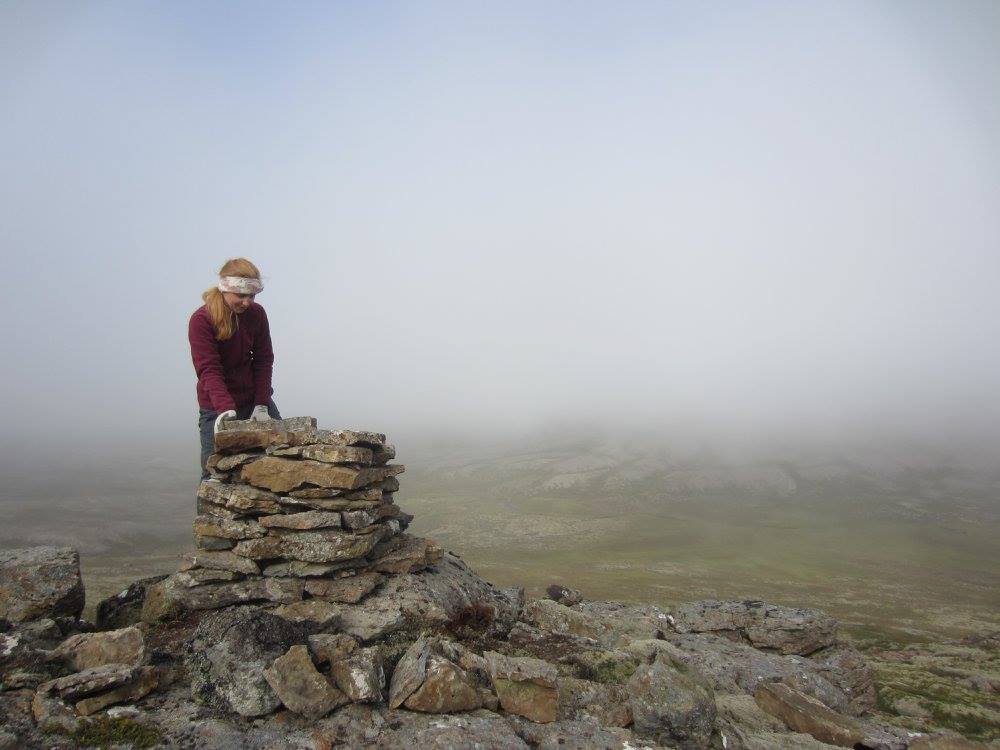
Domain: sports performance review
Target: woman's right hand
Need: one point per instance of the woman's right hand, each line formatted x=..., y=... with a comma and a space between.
x=223, y=417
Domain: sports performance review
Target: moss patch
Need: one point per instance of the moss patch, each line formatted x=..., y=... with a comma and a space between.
x=103, y=732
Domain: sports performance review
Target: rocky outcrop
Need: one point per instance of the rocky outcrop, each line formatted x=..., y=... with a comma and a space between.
x=40, y=582
x=305, y=617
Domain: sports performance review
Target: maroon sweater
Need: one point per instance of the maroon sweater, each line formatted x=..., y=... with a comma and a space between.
x=236, y=372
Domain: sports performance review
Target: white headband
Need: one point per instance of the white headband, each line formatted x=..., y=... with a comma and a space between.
x=240, y=285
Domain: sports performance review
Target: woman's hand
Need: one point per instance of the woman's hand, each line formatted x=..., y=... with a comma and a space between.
x=223, y=417
x=260, y=414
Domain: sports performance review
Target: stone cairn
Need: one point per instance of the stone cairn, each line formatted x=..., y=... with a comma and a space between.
x=293, y=514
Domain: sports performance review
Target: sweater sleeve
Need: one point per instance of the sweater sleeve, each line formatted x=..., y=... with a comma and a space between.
x=263, y=362
x=208, y=363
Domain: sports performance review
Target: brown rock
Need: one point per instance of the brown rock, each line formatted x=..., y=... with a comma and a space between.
x=358, y=519
x=446, y=689
x=52, y=712
x=142, y=684
x=284, y=474
x=405, y=554
x=300, y=686
x=803, y=713
x=526, y=686
x=240, y=442
x=90, y=681
x=310, y=610
x=219, y=462
x=88, y=650
x=310, y=519
x=349, y=590
x=360, y=675
x=298, y=569
x=329, y=647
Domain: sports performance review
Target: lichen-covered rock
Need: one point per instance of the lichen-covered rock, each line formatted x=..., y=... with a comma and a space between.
x=309, y=519
x=360, y=675
x=324, y=614
x=767, y=626
x=308, y=546
x=171, y=597
x=86, y=650
x=221, y=560
x=226, y=528
x=90, y=681
x=549, y=615
x=329, y=647
x=593, y=701
x=142, y=683
x=803, y=713
x=37, y=582
x=525, y=686
x=670, y=706
x=300, y=686
x=229, y=653
x=349, y=590
x=239, y=497
x=445, y=689
x=564, y=595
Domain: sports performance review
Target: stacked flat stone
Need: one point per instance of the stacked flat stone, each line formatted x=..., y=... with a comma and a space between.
x=293, y=512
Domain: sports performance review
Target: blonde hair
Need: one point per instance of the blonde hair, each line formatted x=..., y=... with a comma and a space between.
x=224, y=319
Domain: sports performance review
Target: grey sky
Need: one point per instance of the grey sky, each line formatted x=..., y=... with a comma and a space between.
x=754, y=217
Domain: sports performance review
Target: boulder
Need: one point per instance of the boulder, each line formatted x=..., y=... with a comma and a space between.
x=525, y=686
x=360, y=675
x=230, y=651
x=549, y=615
x=37, y=582
x=670, y=706
x=300, y=686
x=564, y=595
x=87, y=650
x=803, y=713
x=445, y=688
x=765, y=626
x=592, y=701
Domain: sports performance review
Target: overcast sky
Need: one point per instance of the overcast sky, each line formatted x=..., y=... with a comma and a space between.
x=753, y=216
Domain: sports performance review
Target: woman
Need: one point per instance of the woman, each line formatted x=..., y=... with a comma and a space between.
x=231, y=351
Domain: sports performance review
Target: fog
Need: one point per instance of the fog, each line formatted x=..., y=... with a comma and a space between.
x=767, y=221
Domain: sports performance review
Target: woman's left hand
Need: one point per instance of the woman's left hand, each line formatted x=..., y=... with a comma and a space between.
x=260, y=414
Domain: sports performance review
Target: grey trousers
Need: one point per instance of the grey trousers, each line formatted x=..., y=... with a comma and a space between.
x=206, y=426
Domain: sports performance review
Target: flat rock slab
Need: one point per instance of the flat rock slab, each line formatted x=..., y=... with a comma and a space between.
x=287, y=474
x=144, y=682
x=786, y=629
x=326, y=615
x=88, y=650
x=328, y=454
x=291, y=424
x=37, y=582
x=222, y=528
x=239, y=497
x=310, y=519
x=300, y=686
x=221, y=560
x=348, y=590
x=803, y=713
x=308, y=547
x=170, y=598
x=90, y=681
